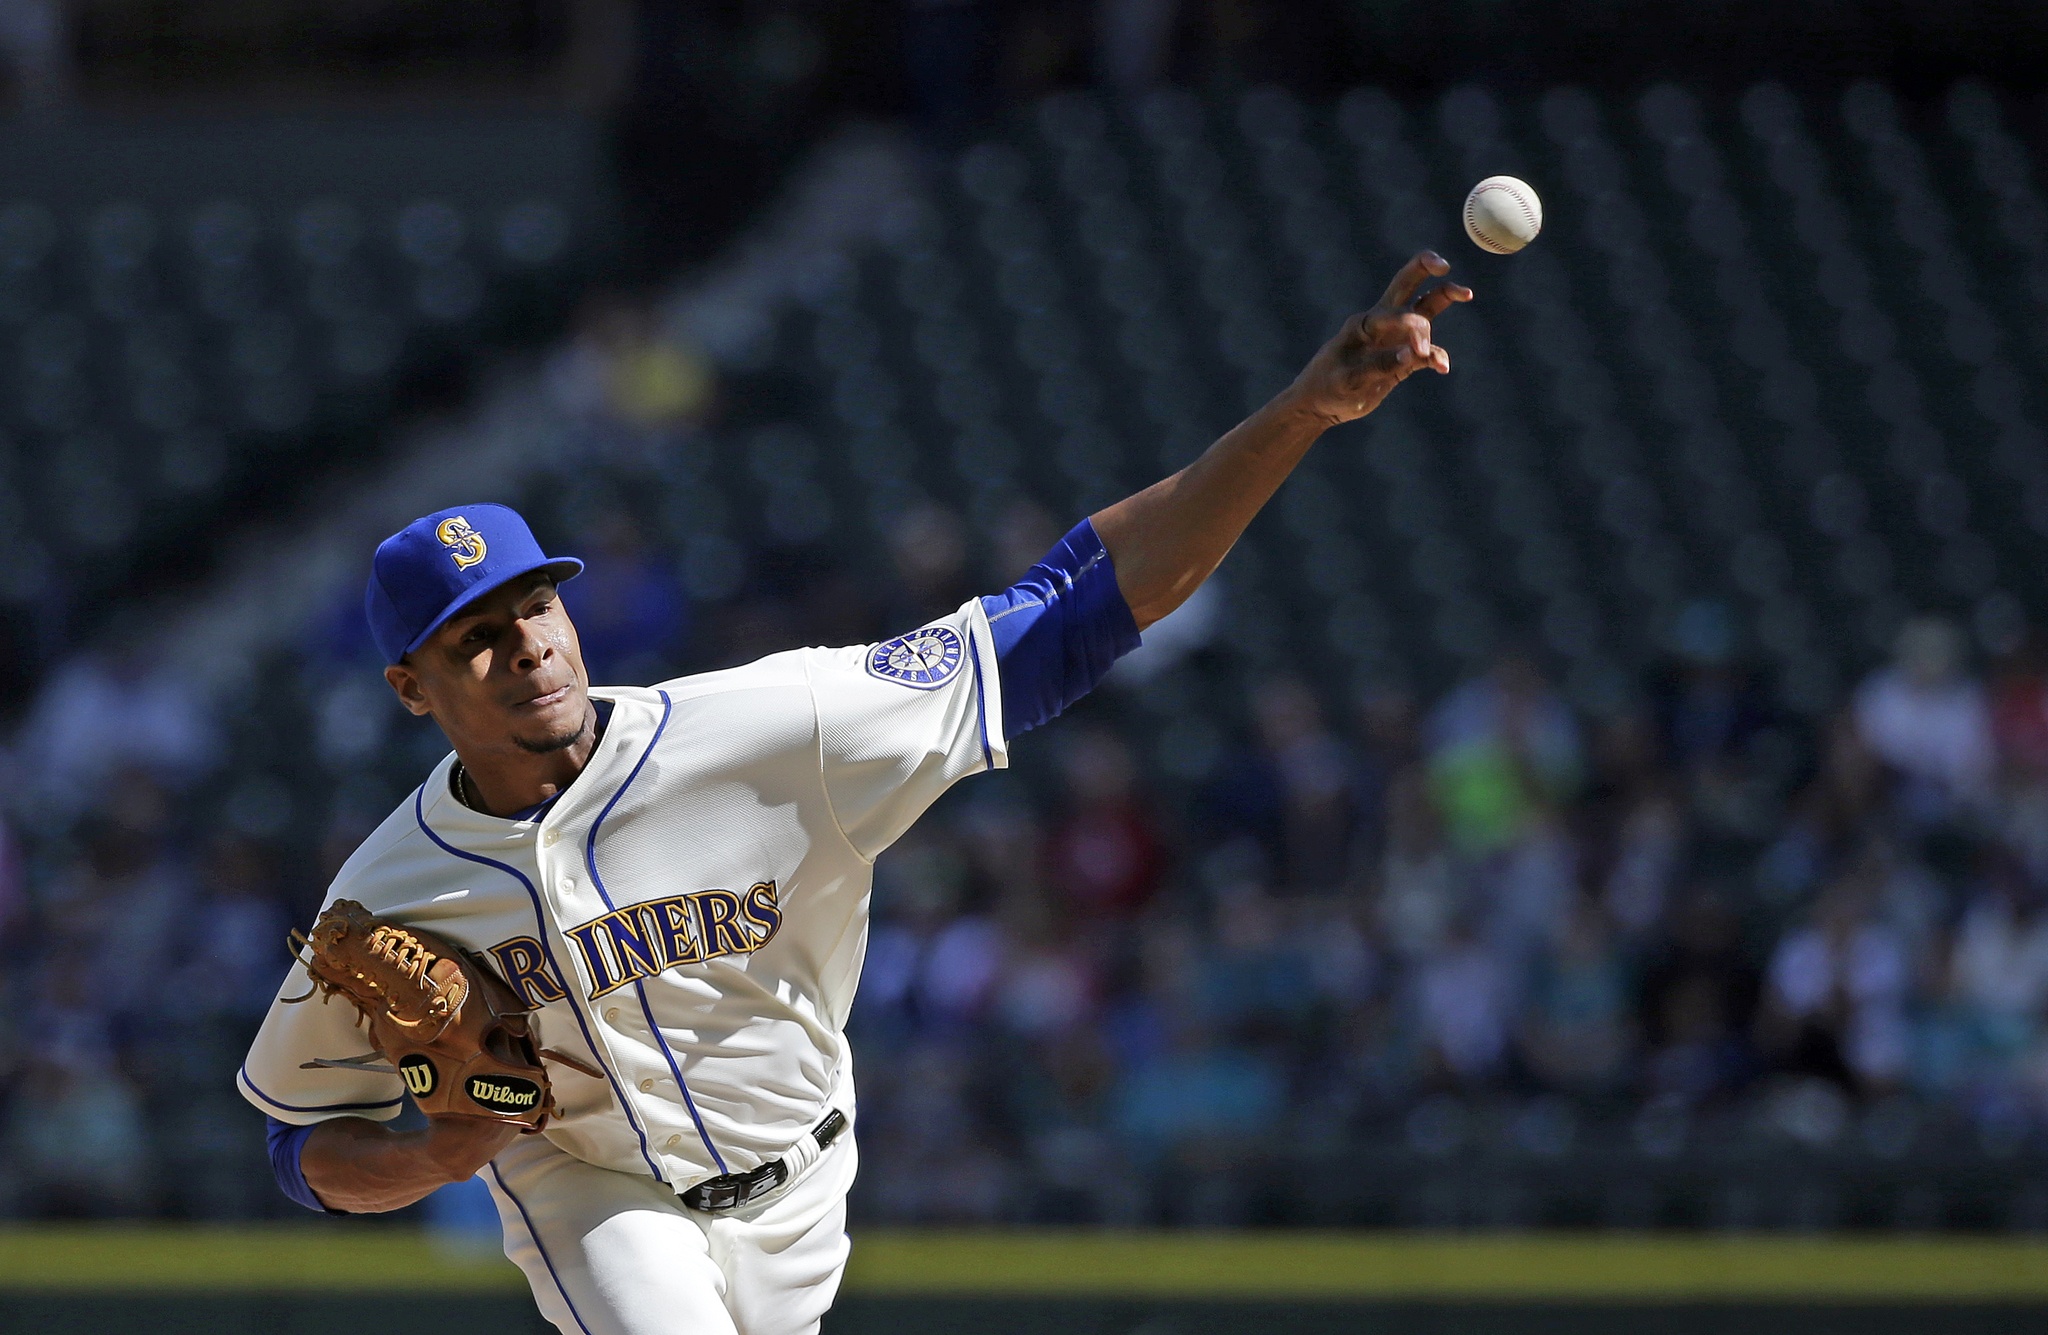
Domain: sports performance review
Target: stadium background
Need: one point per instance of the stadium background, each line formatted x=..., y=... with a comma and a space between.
x=1603, y=805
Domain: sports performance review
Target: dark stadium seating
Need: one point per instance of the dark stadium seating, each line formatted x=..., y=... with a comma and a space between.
x=1759, y=341
x=191, y=341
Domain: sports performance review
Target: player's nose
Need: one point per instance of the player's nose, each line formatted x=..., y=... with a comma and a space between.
x=530, y=648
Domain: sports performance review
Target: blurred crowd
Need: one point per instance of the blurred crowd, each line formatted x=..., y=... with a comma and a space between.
x=1219, y=915
x=1691, y=916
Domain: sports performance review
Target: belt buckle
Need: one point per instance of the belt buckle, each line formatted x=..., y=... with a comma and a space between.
x=765, y=1179
x=733, y=1190
x=730, y=1191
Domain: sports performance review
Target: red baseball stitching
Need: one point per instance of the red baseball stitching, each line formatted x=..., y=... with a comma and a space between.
x=1529, y=214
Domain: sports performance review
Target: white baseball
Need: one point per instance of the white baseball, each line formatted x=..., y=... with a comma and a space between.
x=1502, y=214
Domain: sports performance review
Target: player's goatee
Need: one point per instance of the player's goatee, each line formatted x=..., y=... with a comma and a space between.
x=562, y=742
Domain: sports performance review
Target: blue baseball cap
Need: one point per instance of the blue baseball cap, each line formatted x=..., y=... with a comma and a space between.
x=441, y=563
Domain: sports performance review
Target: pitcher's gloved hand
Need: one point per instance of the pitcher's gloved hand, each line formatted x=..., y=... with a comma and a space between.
x=437, y=1015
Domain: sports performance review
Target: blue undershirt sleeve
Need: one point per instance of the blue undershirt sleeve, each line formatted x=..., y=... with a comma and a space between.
x=286, y=1141
x=1058, y=630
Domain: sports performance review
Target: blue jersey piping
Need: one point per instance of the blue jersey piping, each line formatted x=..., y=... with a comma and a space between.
x=317, y=1107
x=547, y=948
x=539, y=1246
x=640, y=988
x=988, y=754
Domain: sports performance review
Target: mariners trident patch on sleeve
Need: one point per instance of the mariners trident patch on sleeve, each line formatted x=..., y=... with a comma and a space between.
x=924, y=659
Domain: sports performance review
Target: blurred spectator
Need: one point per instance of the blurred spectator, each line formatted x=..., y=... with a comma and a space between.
x=630, y=609
x=14, y=894
x=1647, y=852
x=1699, y=992
x=1525, y=892
x=961, y=968
x=1700, y=1054
x=1835, y=1004
x=1107, y=857
x=623, y=367
x=935, y=1163
x=1063, y=1108
x=119, y=903
x=1200, y=1095
x=1998, y=969
x=103, y=711
x=236, y=934
x=1255, y=977
x=1389, y=731
x=1578, y=1031
x=929, y=548
x=1293, y=795
x=1838, y=808
x=1317, y=778
x=2019, y=713
x=79, y=1140
x=906, y=987
x=1502, y=748
x=1420, y=888
x=1462, y=1004
x=1005, y=844
x=1046, y=990
x=1708, y=704
x=1928, y=720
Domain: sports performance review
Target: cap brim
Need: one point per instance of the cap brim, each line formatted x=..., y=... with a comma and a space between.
x=559, y=569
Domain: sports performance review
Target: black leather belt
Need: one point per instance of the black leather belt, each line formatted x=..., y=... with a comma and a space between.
x=733, y=1190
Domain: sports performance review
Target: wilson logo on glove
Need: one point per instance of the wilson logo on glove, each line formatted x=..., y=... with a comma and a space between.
x=419, y=1075
x=505, y=1094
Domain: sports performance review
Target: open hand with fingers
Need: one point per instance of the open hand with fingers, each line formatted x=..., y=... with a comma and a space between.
x=1380, y=348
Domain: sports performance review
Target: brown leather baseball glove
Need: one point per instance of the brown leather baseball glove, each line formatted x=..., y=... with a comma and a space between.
x=437, y=1015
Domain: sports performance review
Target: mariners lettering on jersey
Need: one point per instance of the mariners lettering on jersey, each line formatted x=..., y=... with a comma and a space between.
x=925, y=659
x=640, y=940
x=524, y=962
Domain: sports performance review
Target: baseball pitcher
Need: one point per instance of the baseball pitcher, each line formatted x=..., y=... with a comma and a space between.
x=609, y=946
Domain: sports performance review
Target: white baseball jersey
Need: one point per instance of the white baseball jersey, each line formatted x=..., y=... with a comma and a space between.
x=691, y=914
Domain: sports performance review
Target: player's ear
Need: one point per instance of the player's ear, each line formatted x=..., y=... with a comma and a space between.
x=405, y=683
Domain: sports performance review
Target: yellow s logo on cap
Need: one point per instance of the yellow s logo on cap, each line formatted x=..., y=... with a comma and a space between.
x=465, y=545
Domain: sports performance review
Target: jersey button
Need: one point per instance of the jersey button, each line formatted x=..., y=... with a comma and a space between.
x=612, y=1016
x=549, y=839
x=673, y=1141
x=569, y=883
x=646, y=1086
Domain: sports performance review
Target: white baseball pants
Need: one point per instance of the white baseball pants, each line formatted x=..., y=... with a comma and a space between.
x=618, y=1254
